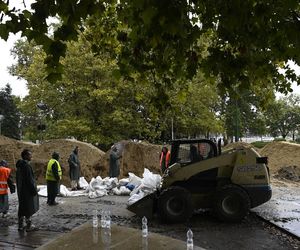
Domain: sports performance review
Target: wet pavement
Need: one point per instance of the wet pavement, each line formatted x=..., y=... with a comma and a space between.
x=87, y=237
x=209, y=233
x=283, y=209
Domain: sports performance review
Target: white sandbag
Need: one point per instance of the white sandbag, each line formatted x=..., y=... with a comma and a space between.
x=42, y=190
x=136, y=189
x=124, y=181
x=122, y=190
x=110, y=183
x=63, y=191
x=83, y=183
x=149, y=184
x=96, y=183
x=135, y=180
x=116, y=191
x=97, y=193
x=135, y=197
x=151, y=181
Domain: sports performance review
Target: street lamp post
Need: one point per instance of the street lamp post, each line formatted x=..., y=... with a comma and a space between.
x=1, y=119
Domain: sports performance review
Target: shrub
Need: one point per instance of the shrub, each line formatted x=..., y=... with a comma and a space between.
x=259, y=144
x=279, y=139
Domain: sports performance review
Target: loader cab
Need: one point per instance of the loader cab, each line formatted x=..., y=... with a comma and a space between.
x=187, y=152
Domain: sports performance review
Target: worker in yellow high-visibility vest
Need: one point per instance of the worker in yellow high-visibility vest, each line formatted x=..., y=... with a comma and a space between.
x=53, y=176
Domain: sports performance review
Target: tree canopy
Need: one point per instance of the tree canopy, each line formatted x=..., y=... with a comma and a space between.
x=247, y=41
x=283, y=116
x=91, y=103
x=10, y=114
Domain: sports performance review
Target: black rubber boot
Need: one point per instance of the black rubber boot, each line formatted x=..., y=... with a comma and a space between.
x=29, y=226
x=21, y=223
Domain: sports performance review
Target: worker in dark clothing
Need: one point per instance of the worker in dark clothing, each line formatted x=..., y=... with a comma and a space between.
x=114, y=166
x=74, y=165
x=53, y=176
x=194, y=155
x=27, y=191
x=5, y=183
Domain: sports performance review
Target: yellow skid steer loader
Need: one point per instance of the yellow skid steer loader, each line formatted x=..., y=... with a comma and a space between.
x=201, y=176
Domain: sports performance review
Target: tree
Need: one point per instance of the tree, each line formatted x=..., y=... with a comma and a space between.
x=195, y=111
x=248, y=40
x=283, y=116
x=94, y=103
x=10, y=122
x=242, y=111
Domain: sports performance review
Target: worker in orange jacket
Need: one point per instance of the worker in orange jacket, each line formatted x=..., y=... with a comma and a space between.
x=5, y=183
x=164, y=159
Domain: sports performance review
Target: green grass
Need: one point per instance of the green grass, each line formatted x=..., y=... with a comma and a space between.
x=259, y=144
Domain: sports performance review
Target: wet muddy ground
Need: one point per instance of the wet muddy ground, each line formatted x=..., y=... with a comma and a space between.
x=209, y=233
x=283, y=209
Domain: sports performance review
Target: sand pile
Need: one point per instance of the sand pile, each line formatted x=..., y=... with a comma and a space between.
x=290, y=173
x=10, y=150
x=237, y=145
x=284, y=157
x=135, y=157
x=281, y=155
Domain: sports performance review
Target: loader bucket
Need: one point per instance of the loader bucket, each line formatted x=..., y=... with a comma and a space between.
x=144, y=206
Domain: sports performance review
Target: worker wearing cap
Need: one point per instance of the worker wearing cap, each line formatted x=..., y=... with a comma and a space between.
x=5, y=183
x=53, y=176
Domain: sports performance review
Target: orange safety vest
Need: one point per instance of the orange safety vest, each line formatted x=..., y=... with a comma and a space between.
x=167, y=159
x=4, y=174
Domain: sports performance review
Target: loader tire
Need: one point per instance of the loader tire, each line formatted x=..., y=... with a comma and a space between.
x=175, y=205
x=231, y=203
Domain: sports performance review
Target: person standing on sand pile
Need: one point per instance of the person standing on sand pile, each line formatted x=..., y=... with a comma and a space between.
x=114, y=166
x=27, y=191
x=5, y=183
x=74, y=165
x=53, y=176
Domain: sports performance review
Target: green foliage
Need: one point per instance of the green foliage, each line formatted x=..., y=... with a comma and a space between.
x=259, y=144
x=242, y=112
x=94, y=102
x=247, y=41
x=279, y=139
x=11, y=116
x=283, y=116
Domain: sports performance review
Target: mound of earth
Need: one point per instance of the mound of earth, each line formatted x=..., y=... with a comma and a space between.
x=89, y=155
x=290, y=173
x=135, y=157
x=238, y=145
x=281, y=155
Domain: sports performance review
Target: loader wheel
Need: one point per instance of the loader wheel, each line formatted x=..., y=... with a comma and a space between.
x=175, y=205
x=231, y=203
